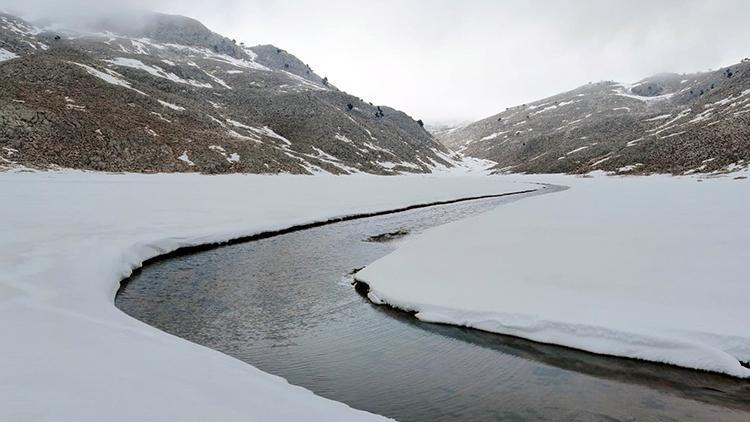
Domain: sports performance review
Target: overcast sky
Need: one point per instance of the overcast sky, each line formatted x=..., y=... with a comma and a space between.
x=442, y=60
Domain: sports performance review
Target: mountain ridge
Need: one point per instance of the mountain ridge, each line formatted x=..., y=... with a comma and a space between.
x=665, y=123
x=163, y=98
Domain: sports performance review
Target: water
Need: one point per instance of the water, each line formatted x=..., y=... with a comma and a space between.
x=284, y=305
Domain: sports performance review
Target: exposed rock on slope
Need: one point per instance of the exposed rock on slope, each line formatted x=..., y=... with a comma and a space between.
x=170, y=95
x=666, y=123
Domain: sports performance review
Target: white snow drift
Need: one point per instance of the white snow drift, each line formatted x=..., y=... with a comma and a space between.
x=68, y=239
x=652, y=268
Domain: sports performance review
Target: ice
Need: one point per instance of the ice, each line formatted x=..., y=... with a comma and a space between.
x=652, y=268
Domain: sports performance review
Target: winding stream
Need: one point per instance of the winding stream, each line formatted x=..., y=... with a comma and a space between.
x=284, y=304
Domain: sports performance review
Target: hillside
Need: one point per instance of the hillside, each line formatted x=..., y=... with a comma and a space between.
x=667, y=123
x=170, y=95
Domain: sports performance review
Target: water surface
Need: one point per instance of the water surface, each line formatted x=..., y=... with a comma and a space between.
x=284, y=305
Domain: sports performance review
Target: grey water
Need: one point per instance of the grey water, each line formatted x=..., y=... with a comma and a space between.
x=285, y=305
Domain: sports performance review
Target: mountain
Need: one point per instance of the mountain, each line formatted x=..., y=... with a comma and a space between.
x=163, y=93
x=667, y=123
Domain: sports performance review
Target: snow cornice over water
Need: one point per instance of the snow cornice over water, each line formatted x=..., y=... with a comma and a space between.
x=69, y=238
x=653, y=268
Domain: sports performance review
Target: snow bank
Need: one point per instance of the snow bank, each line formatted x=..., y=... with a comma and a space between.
x=68, y=238
x=651, y=268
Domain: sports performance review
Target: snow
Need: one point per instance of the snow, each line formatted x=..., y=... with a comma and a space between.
x=160, y=116
x=242, y=63
x=304, y=83
x=671, y=135
x=343, y=138
x=602, y=160
x=140, y=48
x=390, y=165
x=6, y=55
x=629, y=168
x=210, y=75
x=240, y=125
x=493, y=136
x=215, y=120
x=576, y=150
x=156, y=71
x=702, y=116
x=235, y=134
x=653, y=268
x=110, y=77
x=184, y=158
x=170, y=105
x=324, y=154
x=267, y=131
x=661, y=117
x=623, y=90
x=69, y=348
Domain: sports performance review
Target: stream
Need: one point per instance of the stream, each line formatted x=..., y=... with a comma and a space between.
x=285, y=305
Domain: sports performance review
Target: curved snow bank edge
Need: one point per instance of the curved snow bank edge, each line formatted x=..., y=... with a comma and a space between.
x=588, y=338
x=545, y=244
x=169, y=247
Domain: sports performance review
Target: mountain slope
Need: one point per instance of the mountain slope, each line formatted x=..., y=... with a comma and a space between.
x=666, y=123
x=170, y=95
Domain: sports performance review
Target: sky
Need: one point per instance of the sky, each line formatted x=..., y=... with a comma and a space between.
x=449, y=61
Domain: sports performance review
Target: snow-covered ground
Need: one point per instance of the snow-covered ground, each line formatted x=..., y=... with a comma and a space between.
x=68, y=238
x=654, y=268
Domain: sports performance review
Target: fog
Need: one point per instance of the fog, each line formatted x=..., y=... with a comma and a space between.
x=449, y=61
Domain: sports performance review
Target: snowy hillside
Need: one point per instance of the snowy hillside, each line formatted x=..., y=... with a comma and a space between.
x=667, y=123
x=168, y=95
